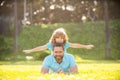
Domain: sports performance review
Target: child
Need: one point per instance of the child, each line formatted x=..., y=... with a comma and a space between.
x=58, y=36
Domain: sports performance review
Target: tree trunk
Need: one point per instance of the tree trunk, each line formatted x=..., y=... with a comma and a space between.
x=107, y=31
x=15, y=28
x=25, y=19
x=31, y=11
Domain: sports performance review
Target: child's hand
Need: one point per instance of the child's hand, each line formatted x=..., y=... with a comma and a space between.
x=27, y=51
x=89, y=46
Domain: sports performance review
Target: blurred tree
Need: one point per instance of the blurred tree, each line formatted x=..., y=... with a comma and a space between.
x=52, y=11
x=107, y=31
x=114, y=6
x=15, y=28
x=5, y=16
x=31, y=11
x=115, y=39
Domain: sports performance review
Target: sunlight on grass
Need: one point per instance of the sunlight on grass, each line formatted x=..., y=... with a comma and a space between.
x=44, y=26
x=79, y=59
x=20, y=62
x=87, y=71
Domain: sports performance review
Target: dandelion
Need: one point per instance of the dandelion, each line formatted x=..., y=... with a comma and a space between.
x=29, y=57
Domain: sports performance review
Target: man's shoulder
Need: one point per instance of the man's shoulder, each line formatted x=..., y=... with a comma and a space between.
x=69, y=58
x=49, y=58
x=68, y=55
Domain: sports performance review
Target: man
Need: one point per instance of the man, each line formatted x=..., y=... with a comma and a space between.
x=59, y=62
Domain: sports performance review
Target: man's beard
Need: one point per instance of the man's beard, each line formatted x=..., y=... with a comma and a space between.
x=59, y=59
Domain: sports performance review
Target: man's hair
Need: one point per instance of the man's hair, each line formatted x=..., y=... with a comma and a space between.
x=58, y=45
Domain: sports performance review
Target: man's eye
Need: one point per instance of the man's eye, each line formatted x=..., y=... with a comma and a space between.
x=60, y=52
x=56, y=52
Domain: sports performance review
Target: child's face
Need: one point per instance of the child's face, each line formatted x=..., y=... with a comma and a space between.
x=59, y=40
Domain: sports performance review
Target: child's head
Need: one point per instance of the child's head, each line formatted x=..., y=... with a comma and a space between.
x=59, y=36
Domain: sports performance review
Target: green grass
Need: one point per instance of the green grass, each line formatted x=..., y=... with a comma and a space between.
x=100, y=70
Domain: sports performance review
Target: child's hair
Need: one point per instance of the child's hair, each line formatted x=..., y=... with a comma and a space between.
x=60, y=32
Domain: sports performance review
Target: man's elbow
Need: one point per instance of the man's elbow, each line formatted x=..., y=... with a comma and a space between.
x=42, y=72
x=74, y=69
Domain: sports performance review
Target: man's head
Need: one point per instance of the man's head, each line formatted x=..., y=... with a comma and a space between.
x=58, y=51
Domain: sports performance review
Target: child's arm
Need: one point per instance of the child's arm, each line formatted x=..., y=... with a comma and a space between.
x=76, y=45
x=40, y=48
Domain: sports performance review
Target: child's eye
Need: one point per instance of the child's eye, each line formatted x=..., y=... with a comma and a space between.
x=59, y=36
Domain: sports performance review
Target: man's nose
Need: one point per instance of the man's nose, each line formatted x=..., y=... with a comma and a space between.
x=58, y=53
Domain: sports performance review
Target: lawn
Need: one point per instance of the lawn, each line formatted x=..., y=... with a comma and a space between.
x=92, y=70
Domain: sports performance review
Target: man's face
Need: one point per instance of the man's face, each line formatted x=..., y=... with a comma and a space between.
x=58, y=53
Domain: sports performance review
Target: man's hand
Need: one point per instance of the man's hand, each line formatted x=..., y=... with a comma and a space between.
x=59, y=71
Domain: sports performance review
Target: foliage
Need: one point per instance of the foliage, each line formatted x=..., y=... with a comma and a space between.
x=115, y=39
x=83, y=33
x=33, y=36
x=55, y=11
x=41, y=56
x=6, y=44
